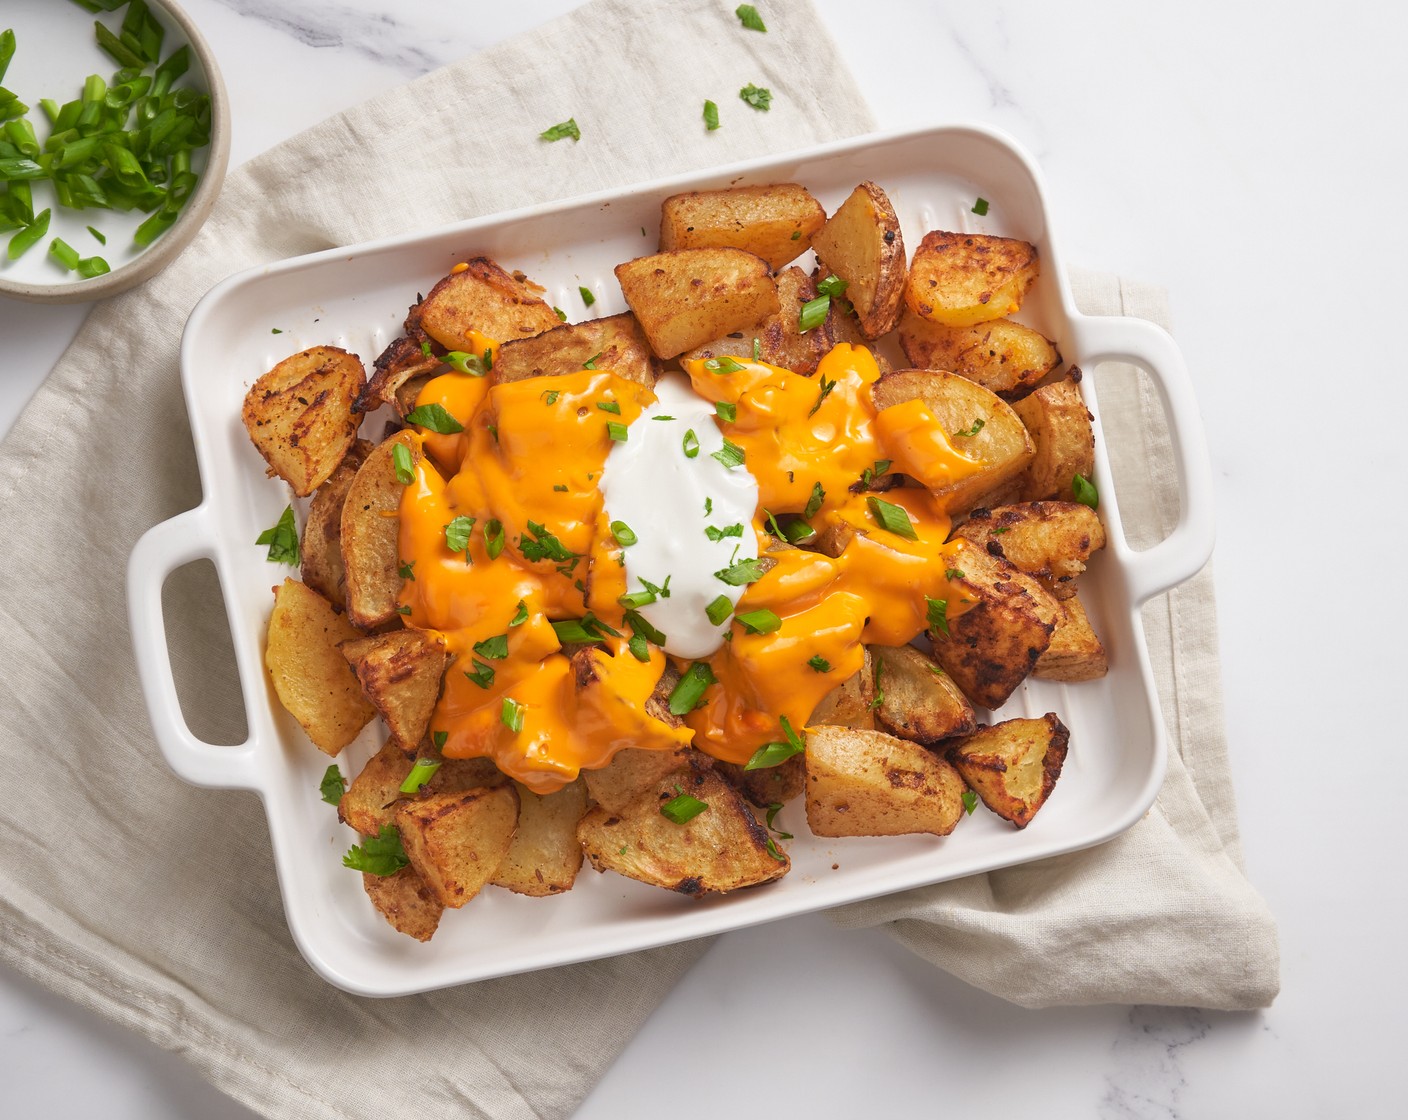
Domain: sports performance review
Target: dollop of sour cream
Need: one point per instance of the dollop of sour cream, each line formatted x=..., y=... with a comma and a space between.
x=664, y=482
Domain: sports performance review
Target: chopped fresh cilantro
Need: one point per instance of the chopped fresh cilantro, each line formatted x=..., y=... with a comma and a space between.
x=282, y=539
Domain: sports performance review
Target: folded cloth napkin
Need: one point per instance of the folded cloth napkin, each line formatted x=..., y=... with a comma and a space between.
x=155, y=904
x=1164, y=913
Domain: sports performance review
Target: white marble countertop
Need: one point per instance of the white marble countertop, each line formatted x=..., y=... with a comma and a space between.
x=1231, y=153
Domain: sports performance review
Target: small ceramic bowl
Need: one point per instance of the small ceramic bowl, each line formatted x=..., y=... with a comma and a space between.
x=56, y=49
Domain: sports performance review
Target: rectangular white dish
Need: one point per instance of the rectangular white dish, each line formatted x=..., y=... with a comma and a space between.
x=356, y=298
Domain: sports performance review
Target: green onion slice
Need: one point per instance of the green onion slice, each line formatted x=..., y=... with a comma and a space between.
x=762, y=621
x=624, y=534
x=719, y=610
x=421, y=772
x=567, y=129
x=685, y=696
x=893, y=518
x=730, y=455
x=938, y=614
x=1085, y=492
x=511, y=714
x=282, y=539
x=711, y=116
x=682, y=809
x=405, y=465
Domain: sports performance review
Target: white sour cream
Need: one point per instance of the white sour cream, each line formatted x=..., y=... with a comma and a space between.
x=662, y=495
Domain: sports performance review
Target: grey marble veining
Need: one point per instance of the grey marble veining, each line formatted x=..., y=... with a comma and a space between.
x=1147, y=1075
x=379, y=35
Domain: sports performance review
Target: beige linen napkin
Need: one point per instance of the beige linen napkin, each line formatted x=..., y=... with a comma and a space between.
x=155, y=904
x=1163, y=914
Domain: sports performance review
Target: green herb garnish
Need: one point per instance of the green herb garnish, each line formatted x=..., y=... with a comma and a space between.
x=819, y=663
x=749, y=17
x=381, y=854
x=711, y=116
x=682, y=809
x=511, y=714
x=333, y=785
x=938, y=614
x=772, y=754
x=693, y=684
x=421, y=772
x=719, y=609
x=756, y=96
x=730, y=455
x=893, y=518
x=743, y=572
x=1085, y=492
x=282, y=539
x=435, y=418
x=567, y=129
x=761, y=621
x=405, y=465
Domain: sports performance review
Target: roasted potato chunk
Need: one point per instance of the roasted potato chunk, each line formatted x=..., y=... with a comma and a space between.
x=1013, y=766
x=480, y=297
x=616, y=343
x=978, y=424
x=852, y=702
x=1075, y=653
x=721, y=849
x=400, y=674
x=311, y=679
x=544, y=857
x=300, y=416
x=399, y=364
x=1000, y=355
x=767, y=785
x=918, y=700
x=963, y=278
x=685, y=297
x=1064, y=440
x=370, y=527
x=867, y=783
x=405, y=901
x=632, y=771
x=1050, y=541
x=991, y=647
x=780, y=339
x=861, y=243
x=321, y=547
x=456, y=841
x=774, y=222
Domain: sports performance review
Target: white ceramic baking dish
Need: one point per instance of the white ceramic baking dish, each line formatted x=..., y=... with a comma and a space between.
x=356, y=298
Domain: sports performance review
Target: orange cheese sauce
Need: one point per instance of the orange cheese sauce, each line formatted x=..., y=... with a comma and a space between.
x=518, y=489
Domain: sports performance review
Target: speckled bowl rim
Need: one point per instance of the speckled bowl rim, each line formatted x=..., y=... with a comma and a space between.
x=169, y=246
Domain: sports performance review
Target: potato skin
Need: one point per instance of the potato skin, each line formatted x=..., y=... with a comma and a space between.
x=999, y=355
x=780, y=340
x=685, y=297
x=456, y=841
x=862, y=244
x=544, y=857
x=918, y=700
x=481, y=297
x=868, y=783
x=616, y=343
x=992, y=646
x=1076, y=652
x=400, y=673
x=773, y=222
x=370, y=527
x=321, y=547
x=1050, y=541
x=1013, y=766
x=1063, y=438
x=722, y=849
x=1001, y=442
x=300, y=415
x=963, y=278
x=310, y=678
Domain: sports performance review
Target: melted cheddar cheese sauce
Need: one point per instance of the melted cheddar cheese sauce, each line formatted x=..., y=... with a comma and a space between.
x=504, y=532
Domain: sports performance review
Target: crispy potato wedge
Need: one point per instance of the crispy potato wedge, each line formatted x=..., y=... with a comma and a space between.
x=321, y=547
x=401, y=362
x=918, y=700
x=616, y=343
x=780, y=338
x=456, y=841
x=1014, y=765
x=861, y=243
x=1061, y=432
x=480, y=297
x=408, y=393
x=1050, y=541
x=686, y=297
x=370, y=800
x=370, y=526
x=1075, y=652
x=767, y=785
x=992, y=646
x=300, y=416
x=311, y=679
x=722, y=849
x=405, y=901
x=963, y=278
x=400, y=674
x=1000, y=355
x=774, y=222
x=544, y=857
x=867, y=783
x=1000, y=442
x=852, y=702
x=632, y=771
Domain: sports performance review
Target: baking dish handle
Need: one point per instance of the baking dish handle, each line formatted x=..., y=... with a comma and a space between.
x=161, y=550
x=1182, y=554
